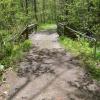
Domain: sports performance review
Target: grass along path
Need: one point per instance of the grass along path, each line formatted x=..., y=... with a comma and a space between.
x=85, y=53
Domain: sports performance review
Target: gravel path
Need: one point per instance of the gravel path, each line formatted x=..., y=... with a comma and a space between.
x=49, y=73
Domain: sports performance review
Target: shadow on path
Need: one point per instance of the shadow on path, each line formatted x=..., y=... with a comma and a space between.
x=12, y=95
x=45, y=87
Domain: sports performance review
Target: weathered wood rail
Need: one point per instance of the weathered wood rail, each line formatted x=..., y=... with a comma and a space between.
x=63, y=29
x=25, y=33
x=18, y=37
x=28, y=30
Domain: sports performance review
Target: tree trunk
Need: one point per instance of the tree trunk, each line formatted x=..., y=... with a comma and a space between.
x=35, y=10
x=43, y=10
x=26, y=6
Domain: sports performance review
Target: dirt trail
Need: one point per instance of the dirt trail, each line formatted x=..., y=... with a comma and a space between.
x=50, y=73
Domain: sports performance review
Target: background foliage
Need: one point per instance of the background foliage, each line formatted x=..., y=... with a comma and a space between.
x=80, y=15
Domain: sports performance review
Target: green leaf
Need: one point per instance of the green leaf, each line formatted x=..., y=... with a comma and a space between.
x=1, y=67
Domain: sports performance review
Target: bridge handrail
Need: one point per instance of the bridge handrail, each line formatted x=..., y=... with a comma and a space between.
x=27, y=28
x=81, y=34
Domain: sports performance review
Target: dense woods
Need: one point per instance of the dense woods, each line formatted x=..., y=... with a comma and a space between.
x=80, y=15
x=16, y=14
x=83, y=15
x=77, y=14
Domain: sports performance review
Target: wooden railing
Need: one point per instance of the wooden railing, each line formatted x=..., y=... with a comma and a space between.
x=17, y=37
x=27, y=30
x=21, y=36
x=25, y=33
x=63, y=29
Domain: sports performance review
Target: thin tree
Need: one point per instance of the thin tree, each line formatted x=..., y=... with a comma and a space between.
x=43, y=10
x=35, y=10
x=26, y=6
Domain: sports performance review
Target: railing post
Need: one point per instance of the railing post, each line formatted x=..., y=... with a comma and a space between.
x=95, y=47
x=64, y=29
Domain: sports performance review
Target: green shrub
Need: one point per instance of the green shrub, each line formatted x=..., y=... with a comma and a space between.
x=98, y=53
x=91, y=66
x=15, y=52
x=77, y=47
x=85, y=52
x=26, y=45
x=8, y=47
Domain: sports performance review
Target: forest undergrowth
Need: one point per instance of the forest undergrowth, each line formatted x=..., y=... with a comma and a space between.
x=84, y=53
